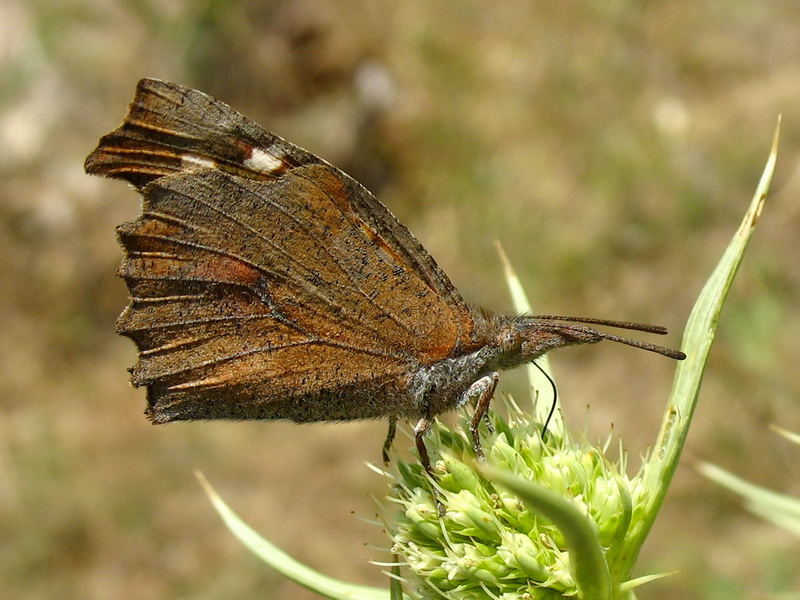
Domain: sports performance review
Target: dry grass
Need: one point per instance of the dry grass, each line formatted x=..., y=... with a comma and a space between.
x=612, y=149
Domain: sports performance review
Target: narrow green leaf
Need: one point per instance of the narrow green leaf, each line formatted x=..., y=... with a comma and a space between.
x=285, y=564
x=783, y=511
x=698, y=337
x=640, y=581
x=789, y=435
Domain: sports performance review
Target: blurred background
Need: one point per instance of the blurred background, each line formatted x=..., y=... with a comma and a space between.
x=612, y=147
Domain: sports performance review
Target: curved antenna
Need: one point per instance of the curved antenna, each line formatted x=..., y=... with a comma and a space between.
x=555, y=398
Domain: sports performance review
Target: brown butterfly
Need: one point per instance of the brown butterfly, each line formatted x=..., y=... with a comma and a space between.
x=267, y=284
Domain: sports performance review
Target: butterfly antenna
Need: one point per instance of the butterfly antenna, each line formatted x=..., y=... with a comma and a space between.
x=668, y=352
x=656, y=329
x=643, y=327
x=555, y=399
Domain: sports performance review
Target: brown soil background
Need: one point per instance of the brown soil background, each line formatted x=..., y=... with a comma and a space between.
x=611, y=146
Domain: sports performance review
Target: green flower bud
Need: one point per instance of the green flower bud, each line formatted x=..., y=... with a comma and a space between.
x=489, y=543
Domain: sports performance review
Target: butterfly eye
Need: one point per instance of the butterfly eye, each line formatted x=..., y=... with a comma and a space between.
x=510, y=342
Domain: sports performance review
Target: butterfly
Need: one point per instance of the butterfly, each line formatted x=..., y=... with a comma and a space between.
x=265, y=283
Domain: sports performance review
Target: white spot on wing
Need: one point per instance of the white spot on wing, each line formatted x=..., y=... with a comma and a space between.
x=207, y=382
x=192, y=162
x=262, y=161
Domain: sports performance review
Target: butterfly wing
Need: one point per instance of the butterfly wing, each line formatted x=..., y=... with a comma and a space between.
x=171, y=129
x=265, y=283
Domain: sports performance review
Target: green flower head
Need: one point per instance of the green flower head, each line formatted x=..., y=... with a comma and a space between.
x=490, y=543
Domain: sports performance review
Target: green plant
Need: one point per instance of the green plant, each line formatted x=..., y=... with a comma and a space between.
x=778, y=509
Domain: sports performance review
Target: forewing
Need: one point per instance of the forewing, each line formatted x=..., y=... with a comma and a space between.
x=171, y=129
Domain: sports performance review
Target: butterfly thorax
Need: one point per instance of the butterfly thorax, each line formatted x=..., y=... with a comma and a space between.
x=503, y=342
x=440, y=386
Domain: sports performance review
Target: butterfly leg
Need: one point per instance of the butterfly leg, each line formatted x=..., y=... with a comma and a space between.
x=483, y=390
x=387, y=445
x=488, y=421
x=420, y=430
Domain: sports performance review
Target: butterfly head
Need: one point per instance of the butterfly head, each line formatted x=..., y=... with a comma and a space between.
x=525, y=338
